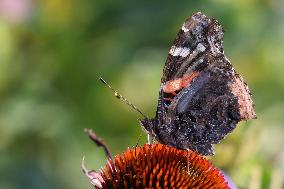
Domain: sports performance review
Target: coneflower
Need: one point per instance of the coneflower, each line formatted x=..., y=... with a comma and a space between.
x=155, y=166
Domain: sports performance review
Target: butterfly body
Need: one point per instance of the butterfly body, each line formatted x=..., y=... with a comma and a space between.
x=201, y=97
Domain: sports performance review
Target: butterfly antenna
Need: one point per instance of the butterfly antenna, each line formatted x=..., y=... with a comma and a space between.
x=120, y=97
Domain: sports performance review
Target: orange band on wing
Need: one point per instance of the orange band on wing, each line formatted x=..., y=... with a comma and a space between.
x=180, y=83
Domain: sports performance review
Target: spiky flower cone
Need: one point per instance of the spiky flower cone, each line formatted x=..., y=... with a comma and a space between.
x=158, y=166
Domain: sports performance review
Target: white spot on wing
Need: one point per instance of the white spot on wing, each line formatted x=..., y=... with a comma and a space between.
x=179, y=51
x=200, y=47
x=184, y=29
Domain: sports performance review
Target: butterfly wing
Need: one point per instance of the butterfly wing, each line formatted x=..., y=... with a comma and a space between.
x=201, y=96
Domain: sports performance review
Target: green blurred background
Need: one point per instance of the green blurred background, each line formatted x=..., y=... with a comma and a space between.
x=52, y=53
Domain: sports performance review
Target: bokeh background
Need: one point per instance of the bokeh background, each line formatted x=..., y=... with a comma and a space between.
x=52, y=53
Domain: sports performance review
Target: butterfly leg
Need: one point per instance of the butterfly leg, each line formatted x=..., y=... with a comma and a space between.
x=188, y=171
x=148, y=138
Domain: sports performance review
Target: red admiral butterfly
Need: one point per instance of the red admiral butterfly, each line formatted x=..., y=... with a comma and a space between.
x=201, y=96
